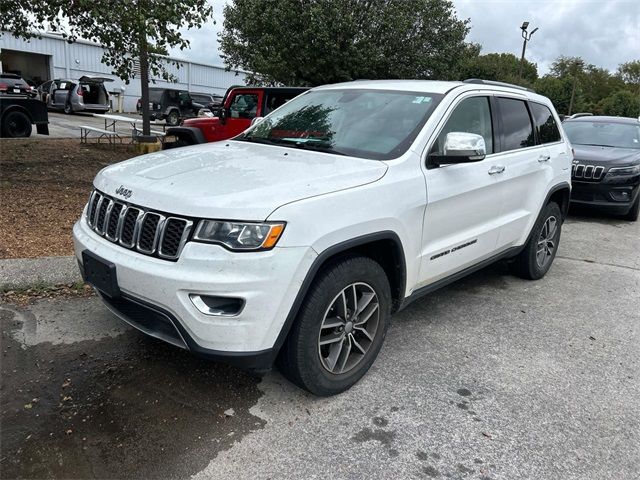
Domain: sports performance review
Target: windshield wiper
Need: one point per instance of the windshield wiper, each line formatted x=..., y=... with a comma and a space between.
x=318, y=148
x=262, y=140
x=311, y=144
x=303, y=144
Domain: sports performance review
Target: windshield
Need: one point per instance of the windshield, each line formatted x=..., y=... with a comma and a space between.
x=622, y=135
x=371, y=124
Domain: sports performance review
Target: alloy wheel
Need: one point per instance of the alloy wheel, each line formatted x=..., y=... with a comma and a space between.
x=547, y=241
x=348, y=328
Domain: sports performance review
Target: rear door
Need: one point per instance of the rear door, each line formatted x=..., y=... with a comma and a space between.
x=527, y=170
x=461, y=226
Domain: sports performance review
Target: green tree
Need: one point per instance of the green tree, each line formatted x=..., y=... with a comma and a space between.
x=630, y=72
x=502, y=67
x=622, y=103
x=135, y=34
x=315, y=42
x=560, y=91
x=569, y=67
x=597, y=84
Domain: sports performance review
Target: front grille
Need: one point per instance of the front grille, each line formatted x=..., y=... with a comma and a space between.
x=133, y=227
x=592, y=173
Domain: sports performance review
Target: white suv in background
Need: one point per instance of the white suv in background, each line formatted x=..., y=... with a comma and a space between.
x=295, y=241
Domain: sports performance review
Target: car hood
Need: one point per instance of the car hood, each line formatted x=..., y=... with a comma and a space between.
x=232, y=180
x=606, y=156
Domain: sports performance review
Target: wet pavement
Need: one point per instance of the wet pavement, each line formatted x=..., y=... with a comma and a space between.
x=490, y=378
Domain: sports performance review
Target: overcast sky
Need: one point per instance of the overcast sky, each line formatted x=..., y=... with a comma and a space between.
x=603, y=32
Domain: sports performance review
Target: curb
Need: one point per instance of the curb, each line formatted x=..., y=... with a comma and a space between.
x=25, y=272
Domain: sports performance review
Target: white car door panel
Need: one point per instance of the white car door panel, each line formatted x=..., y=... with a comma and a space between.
x=461, y=223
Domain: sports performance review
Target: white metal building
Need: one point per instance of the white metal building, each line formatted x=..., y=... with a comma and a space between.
x=52, y=57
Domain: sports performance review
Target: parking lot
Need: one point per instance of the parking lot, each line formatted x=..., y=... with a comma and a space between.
x=490, y=378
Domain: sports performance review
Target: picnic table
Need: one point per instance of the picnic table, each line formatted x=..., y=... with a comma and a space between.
x=110, y=132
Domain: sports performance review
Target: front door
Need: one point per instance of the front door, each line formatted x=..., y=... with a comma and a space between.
x=461, y=224
x=243, y=107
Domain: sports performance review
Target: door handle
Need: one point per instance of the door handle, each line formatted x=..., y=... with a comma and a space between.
x=544, y=158
x=496, y=169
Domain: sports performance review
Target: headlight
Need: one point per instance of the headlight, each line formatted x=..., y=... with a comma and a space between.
x=624, y=171
x=239, y=236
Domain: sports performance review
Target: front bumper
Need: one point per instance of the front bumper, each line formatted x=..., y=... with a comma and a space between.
x=155, y=294
x=615, y=197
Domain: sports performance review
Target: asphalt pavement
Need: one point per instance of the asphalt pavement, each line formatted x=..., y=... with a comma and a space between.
x=492, y=377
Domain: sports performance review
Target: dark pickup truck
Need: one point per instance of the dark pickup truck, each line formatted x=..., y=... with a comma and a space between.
x=239, y=107
x=19, y=113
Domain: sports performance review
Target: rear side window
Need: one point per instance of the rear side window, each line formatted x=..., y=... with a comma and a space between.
x=276, y=100
x=546, y=125
x=516, y=123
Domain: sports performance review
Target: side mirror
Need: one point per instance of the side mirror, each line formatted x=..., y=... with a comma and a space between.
x=255, y=120
x=460, y=147
x=223, y=113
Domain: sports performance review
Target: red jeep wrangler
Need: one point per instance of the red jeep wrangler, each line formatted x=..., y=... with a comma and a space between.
x=239, y=106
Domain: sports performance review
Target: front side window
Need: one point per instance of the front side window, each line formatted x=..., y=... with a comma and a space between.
x=371, y=124
x=472, y=115
x=603, y=134
x=518, y=130
x=546, y=125
x=244, y=105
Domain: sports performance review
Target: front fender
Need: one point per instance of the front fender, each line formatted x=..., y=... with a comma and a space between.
x=191, y=135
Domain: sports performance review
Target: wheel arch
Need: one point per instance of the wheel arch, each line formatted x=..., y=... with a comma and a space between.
x=17, y=108
x=561, y=194
x=190, y=134
x=384, y=247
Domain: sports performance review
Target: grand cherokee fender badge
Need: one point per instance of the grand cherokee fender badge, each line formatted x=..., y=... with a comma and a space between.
x=125, y=192
x=454, y=249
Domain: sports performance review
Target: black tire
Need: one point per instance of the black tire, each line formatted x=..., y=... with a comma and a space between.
x=16, y=125
x=300, y=358
x=526, y=264
x=68, y=109
x=173, y=118
x=632, y=214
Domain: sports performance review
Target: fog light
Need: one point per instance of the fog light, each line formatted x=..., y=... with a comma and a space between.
x=218, y=306
x=621, y=195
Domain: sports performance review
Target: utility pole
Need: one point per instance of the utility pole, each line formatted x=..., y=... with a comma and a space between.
x=527, y=37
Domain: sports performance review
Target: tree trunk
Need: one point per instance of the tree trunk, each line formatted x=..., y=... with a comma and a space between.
x=144, y=86
x=573, y=94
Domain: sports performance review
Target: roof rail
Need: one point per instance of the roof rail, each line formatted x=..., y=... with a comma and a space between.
x=497, y=84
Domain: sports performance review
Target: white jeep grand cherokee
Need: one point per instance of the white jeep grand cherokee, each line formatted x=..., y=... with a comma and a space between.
x=295, y=241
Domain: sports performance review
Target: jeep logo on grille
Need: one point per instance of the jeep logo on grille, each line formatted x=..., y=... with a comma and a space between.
x=125, y=192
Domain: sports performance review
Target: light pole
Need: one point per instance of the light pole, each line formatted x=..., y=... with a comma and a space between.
x=527, y=36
